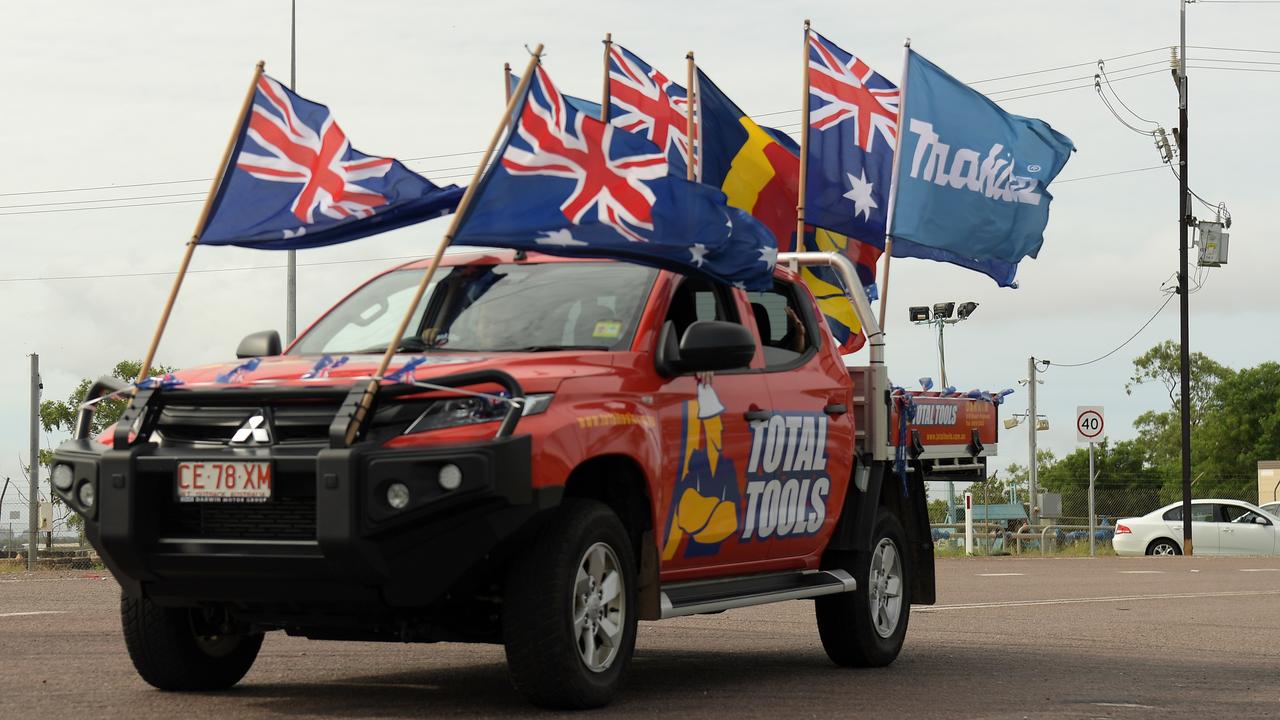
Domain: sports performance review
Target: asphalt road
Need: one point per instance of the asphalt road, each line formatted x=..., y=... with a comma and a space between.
x=1010, y=638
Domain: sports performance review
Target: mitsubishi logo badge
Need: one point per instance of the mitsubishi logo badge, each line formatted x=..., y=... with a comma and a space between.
x=253, y=431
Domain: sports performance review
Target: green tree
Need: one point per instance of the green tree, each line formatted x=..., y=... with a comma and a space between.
x=1129, y=484
x=1241, y=427
x=1160, y=431
x=60, y=415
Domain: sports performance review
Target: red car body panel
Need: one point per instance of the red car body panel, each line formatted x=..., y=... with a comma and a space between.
x=728, y=496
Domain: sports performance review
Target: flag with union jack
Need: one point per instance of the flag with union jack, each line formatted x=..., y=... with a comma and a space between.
x=853, y=121
x=566, y=183
x=294, y=181
x=642, y=100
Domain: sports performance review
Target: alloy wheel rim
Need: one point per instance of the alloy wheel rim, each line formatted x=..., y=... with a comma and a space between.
x=885, y=588
x=599, y=607
x=1162, y=549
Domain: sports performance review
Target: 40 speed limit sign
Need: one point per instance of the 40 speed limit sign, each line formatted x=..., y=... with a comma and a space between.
x=1089, y=423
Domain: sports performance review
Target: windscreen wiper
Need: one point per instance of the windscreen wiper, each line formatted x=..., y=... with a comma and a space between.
x=409, y=344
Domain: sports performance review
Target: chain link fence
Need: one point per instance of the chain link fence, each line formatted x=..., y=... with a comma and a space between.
x=1002, y=527
x=64, y=548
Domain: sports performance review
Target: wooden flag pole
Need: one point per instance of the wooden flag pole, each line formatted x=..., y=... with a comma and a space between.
x=893, y=182
x=362, y=410
x=506, y=81
x=605, y=97
x=804, y=148
x=690, y=128
x=195, y=235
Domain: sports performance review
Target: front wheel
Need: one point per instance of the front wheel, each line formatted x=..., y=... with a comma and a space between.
x=866, y=628
x=186, y=648
x=569, y=609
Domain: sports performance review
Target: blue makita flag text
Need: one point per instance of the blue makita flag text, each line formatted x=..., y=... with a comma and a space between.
x=972, y=178
x=294, y=181
x=566, y=183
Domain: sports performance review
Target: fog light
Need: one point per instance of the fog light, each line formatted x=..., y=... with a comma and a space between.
x=450, y=477
x=398, y=496
x=86, y=495
x=63, y=477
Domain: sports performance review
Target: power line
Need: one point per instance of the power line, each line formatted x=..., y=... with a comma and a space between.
x=105, y=276
x=1066, y=67
x=1108, y=174
x=1231, y=49
x=470, y=168
x=1076, y=87
x=477, y=152
x=1126, y=342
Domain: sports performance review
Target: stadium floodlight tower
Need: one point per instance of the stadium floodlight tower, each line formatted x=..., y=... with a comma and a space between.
x=943, y=314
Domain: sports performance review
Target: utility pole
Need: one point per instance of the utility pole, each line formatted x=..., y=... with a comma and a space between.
x=942, y=354
x=33, y=495
x=291, y=273
x=1184, y=220
x=1032, y=485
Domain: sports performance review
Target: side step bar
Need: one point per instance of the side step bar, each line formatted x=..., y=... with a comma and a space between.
x=708, y=596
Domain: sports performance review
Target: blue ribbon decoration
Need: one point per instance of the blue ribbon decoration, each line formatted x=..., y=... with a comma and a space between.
x=238, y=372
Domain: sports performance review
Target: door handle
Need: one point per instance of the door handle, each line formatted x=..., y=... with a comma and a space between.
x=757, y=415
x=835, y=409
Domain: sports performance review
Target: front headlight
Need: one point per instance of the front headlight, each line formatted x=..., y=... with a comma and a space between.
x=453, y=412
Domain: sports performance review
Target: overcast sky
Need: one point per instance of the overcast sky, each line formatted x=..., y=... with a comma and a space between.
x=122, y=93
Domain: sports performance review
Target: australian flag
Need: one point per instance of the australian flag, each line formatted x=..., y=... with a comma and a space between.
x=853, y=123
x=642, y=100
x=566, y=183
x=294, y=181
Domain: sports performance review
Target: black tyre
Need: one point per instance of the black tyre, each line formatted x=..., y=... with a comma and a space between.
x=569, y=609
x=1163, y=547
x=865, y=628
x=185, y=648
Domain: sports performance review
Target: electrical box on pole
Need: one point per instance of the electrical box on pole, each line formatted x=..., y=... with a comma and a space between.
x=1213, y=245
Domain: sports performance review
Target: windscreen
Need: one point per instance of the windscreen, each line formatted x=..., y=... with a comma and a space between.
x=491, y=308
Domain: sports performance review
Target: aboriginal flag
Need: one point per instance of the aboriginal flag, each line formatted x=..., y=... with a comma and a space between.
x=758, y=169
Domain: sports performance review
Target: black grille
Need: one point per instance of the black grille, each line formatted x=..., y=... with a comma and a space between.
x=308, y=422
x=288, y=423
x=284, y=518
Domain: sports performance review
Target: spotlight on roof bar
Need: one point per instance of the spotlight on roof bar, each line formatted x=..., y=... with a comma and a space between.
x=944, y=310
x=919, y=313
x=966, y=309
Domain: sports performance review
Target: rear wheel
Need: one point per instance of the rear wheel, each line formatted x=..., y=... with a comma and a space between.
x=569, y=609
x=1163, y=547
x=866, y=628
x=186, y=648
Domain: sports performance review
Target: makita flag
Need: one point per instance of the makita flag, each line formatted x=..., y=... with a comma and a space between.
x=853, y=119
x=294, y=181
x=972, y=178
x=568, y=184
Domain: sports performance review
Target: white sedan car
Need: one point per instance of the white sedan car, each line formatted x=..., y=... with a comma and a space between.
x=1218, y=527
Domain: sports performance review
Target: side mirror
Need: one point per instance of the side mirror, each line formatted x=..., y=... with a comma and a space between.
x=1261, y=520
x=260, y=344
x=715, y=345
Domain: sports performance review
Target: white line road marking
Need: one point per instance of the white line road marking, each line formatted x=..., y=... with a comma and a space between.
x=1140, y=572
x=1072, y=601
x=1125, y=705
x=1000, y=574
x=33, y=612
x=1259, y=569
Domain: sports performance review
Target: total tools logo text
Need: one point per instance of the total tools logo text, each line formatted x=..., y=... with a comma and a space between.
x=787, y=483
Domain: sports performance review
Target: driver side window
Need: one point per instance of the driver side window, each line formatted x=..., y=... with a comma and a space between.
x=699, y=299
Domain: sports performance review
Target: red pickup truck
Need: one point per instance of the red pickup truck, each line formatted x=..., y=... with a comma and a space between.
x=563, y=447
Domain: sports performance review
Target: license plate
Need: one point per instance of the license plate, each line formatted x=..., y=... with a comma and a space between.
x=224, y=481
